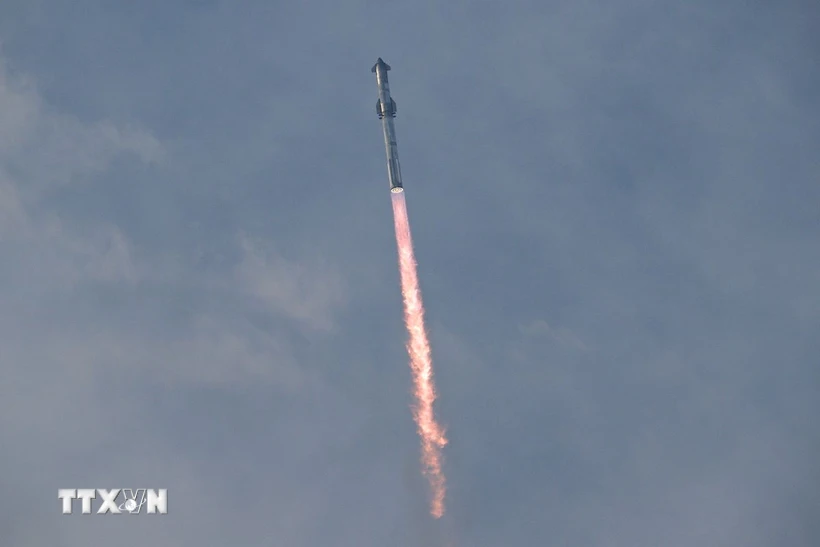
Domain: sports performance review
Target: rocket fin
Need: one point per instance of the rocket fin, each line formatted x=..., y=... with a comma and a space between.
x=380, y=62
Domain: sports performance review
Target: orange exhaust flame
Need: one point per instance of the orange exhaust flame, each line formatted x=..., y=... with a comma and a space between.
x=418, y=347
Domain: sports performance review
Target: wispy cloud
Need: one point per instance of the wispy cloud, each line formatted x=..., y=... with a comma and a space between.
x=308, y=291
x=41, y=148
x=46, y=148
x=561, y=335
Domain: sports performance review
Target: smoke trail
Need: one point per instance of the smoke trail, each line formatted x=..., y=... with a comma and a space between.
x=431, y=433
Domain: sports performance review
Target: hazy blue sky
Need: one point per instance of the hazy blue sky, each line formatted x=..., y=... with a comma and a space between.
x=616, y=212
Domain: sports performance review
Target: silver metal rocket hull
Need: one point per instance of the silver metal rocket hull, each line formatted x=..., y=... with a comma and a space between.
x=386, y=109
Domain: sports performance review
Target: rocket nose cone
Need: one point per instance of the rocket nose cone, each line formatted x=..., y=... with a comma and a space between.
x=380, y=63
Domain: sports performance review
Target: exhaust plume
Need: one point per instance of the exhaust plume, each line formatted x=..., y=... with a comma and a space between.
x=418, y=347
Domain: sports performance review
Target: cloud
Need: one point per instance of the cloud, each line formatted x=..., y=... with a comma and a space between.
x=561, y=335
x=46, y=148
x=213, y=351
x=308, y=291
x=13, y=218
x=68, y=269
x=41, y=149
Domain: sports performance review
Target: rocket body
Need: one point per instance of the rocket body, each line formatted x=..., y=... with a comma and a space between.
x=386, y=109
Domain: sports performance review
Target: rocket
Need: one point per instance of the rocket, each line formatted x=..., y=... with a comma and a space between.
x=386, y=109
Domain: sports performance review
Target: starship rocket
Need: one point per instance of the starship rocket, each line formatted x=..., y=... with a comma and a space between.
x=386, y=109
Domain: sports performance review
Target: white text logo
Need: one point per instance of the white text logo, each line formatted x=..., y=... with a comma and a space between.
x=115, y=501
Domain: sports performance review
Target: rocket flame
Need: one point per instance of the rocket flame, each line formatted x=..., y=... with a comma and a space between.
x=418, y=347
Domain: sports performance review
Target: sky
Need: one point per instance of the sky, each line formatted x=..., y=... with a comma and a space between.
x=615, y=212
